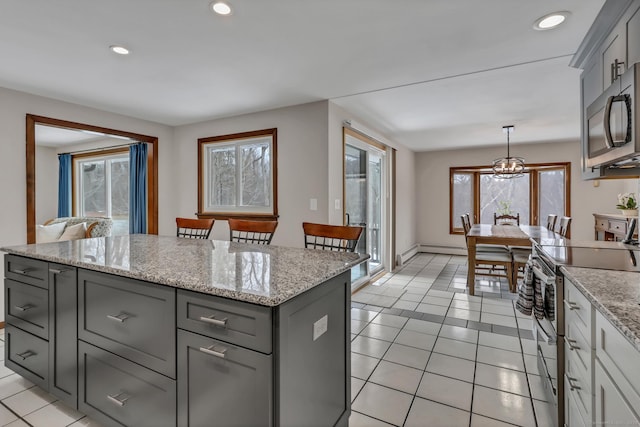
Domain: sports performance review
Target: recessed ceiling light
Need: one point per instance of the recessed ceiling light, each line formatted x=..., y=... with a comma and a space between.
x=550, y=21
x=221, y=8
x=120, y=50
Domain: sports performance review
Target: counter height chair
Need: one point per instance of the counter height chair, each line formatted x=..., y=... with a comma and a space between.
x=493, y=263
x=194, y=228
x=563, y=228
x=342, y=238
x=249, y=231
x=551, y=221
x=506, y=219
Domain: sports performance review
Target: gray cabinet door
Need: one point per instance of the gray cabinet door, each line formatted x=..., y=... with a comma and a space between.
x=27, y=307
x=633, y=38
x=27, y=355
x=63, y=333
x=221, y=384
x=131, y=318
x=117, y=392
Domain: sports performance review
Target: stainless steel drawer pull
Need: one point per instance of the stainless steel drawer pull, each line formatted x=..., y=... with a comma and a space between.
x=25, y=271
x=572, y=305
x=56, y=271
x=119, y=318
x=24, y=307
x=571, y=346
x=119, y=399
x=26, y=354
x=214, y=351
x=572, y=386
x=212, y=319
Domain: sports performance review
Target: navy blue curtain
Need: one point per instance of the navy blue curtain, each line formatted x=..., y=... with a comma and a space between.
x=138, y=188
x=64, y=185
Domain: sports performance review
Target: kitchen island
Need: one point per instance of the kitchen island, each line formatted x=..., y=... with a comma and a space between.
x=149, y=330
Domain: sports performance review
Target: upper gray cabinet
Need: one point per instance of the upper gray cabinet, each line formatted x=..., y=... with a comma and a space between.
x=611, y=47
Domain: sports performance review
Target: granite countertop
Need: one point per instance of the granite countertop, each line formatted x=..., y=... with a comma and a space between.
x=615, y=294
x=259, y=274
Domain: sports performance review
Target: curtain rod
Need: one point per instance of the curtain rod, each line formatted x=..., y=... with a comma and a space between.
x=92, y=150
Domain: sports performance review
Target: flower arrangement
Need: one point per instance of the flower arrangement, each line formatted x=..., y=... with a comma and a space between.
x=627, y=201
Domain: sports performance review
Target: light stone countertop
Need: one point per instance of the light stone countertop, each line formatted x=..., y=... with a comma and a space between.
x=259, y=274
x=615, y=294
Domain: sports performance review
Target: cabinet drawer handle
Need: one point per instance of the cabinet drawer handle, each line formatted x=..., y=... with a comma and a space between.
x=25, y=271
x=572, y=305
x=214, y=351
x=24, y=307
x=119, y=318
x=572, y=386
x=212, y=319
x=26, y=354
x=571, y=346
x=119, y=399
x=57, y=271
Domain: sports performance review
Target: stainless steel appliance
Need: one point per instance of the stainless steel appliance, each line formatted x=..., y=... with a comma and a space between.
x=612, y=124
x=549, y=332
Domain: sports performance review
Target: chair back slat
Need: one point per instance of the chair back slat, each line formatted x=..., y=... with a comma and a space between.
x=551, y=221
x=506, y=219
x=342, y=238
x=563, y=228
x=251, y=231
x=194, y=228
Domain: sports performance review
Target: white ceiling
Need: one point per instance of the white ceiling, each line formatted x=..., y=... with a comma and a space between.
x=430, y=74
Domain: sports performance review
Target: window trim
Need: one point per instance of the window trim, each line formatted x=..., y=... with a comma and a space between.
x=532, y=169
x=234, y=139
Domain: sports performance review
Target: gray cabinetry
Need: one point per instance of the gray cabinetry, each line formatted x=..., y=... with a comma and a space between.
x=130, y=318
x=222, y=384
x=118, y=392
x=63, y=333
x=41, y=307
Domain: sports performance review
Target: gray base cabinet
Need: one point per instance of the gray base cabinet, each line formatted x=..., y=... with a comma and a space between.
x=222, y=384
x=134, y=353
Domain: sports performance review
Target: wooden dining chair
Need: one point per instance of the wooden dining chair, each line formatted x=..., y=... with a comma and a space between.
x=563, y=227
x=551, y=221
x=342, y=238
x=506, y=219
x=250, y=231
x=193, y=228
x=466, y=225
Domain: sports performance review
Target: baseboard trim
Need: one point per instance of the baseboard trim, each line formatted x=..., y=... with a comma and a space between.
x=402, y=258
x=442, y=249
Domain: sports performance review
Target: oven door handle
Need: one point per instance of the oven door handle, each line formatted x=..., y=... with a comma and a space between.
x=545, y=336
x=537, y=271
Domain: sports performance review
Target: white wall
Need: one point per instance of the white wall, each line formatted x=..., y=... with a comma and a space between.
x=302, y=166
x=432, y=184
x=14, y=106
x=46, y=184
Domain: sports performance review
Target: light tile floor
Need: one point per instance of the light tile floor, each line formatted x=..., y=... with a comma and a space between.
x=427, y=355
x=435, y=356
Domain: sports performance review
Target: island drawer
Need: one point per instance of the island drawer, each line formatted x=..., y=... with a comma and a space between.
x=578, y=310
x=118, y=392
x=27, y=355
x=131, y=318
x=27, y=307
x=235, y=322
x=26, y=270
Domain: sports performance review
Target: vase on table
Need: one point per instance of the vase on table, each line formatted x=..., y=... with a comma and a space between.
x=629, y=212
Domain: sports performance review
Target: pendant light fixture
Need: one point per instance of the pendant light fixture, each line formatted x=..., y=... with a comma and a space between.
x=508, y=167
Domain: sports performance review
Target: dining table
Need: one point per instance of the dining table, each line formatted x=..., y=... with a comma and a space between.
x=501, y=234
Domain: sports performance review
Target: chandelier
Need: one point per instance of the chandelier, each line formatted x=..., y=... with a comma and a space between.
x=508, y=167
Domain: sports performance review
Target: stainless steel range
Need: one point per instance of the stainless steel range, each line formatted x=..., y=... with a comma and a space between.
x=549, y=257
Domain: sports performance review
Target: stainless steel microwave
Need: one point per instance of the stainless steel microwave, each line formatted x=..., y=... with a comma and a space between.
x=612, y=124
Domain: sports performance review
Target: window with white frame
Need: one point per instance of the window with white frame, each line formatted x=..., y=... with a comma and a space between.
x=101, y=187
x=237, y=175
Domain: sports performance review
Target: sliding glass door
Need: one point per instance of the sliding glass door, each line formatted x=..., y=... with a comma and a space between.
x=365, y=202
